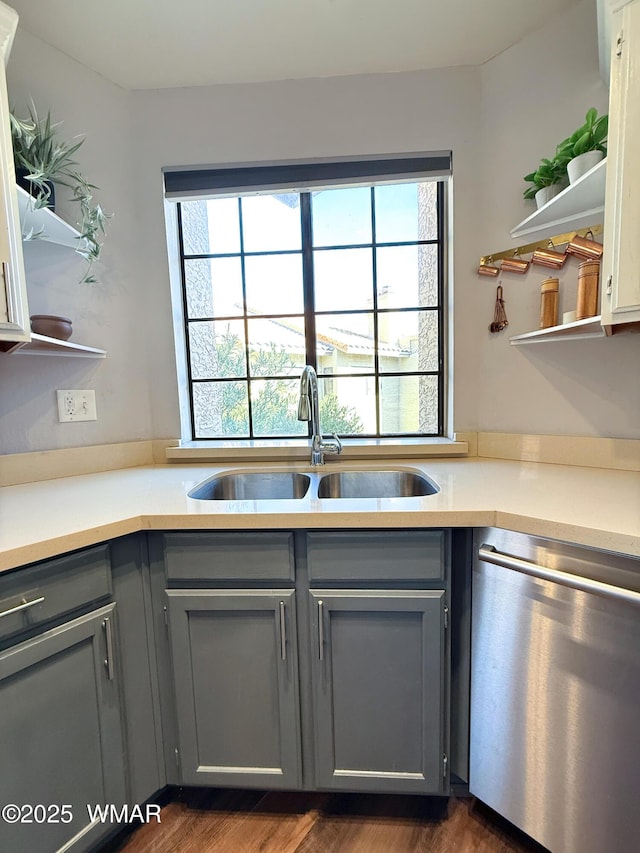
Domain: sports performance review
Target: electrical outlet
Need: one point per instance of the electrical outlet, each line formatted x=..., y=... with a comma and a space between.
x=76, y=406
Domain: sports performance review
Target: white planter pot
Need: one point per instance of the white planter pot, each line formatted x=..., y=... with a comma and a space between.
x=582, y=163
x=547, y=193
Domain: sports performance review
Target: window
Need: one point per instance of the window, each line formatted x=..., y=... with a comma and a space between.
x=349, y=279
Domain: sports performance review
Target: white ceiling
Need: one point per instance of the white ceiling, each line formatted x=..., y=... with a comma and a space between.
x=149, y=44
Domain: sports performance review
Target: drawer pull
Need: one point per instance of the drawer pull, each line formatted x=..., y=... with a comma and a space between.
x=109, y=640
x=24, y=604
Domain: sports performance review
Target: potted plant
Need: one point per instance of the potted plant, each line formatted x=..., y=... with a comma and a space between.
x=548, y=181
x=42, y=160
x=586, y=146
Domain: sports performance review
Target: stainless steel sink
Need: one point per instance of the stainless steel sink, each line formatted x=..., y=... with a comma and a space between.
x=375, y=484
x=253, y=486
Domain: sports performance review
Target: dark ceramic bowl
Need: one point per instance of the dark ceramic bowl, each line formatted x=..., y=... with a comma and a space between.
x=51, y=326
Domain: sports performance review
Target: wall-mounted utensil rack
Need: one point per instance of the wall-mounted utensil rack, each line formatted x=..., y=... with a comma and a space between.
x=557, y=241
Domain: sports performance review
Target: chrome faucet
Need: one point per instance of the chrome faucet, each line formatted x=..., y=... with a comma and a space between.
x=309, y=410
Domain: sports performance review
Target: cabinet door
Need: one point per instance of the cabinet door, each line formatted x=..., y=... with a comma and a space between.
x=61, y=734
x=621, y=262
x=14, y=313
x=236, y=689
x=606, y=10
x=378, y=688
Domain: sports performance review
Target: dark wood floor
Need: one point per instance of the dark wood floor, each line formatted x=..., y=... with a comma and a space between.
x=257, y=822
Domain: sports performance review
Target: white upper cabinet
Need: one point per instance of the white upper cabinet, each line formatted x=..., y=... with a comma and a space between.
x=607, y=12
x=14, y=313
x=620, y=282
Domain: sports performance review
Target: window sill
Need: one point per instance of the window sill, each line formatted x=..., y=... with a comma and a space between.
x=296, y=450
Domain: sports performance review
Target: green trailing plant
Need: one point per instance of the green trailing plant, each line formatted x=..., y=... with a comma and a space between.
x=591, y=136
x=548, y=173
x=47, y=160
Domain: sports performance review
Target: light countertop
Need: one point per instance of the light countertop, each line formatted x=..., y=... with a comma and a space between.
x=589, y=506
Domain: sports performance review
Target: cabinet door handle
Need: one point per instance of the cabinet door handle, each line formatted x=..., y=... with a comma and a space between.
x=22, y=606
x=321, y=629
x=283, y=632
x=6, y=275
x=109, y=640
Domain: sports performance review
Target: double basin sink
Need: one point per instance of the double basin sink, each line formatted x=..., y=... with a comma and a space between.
x=293, y=485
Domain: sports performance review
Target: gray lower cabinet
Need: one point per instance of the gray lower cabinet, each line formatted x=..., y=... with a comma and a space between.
x=352, y=695
x=61, y=735
x=136, y=664
x=236, y=686
x=378, y=667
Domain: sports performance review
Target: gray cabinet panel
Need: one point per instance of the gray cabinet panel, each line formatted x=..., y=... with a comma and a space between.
x=160, y=650
x=235, y=671
x=145, y=768
x=230, y=557
x=377, y=672
x=61, y=733
x=56, y=587
x=376, y=555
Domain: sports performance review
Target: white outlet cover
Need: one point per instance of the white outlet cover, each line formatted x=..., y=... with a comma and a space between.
x=76, y=405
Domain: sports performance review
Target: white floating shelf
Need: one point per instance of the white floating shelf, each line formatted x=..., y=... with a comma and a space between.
x=43, y=345
x=591, y=327
x=579, y=205
x=45, y=223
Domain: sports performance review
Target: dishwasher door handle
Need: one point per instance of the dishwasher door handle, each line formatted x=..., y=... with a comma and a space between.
x=488, y=554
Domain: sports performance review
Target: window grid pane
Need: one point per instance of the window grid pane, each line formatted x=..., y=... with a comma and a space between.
x=378, y=323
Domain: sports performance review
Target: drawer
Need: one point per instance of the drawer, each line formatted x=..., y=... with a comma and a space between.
x=56, y=587
x=377, y=555
x=229, y=556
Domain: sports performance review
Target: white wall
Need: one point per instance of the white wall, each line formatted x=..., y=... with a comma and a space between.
x=533, y=96
x=108, y=315
x=498, y=120
x=333, y=117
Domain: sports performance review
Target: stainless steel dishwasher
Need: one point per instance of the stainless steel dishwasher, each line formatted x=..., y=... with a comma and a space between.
x=555, y=691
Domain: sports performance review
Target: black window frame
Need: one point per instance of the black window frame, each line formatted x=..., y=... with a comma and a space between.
x=307, y=251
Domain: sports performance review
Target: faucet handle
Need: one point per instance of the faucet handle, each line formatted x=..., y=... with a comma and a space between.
x=334, y=445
